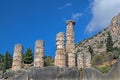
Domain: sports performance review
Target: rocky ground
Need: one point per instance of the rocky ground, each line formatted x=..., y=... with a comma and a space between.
x=55, y=73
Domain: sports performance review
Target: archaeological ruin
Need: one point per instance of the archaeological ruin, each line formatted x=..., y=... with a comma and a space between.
x=72, y=62
x=39, y=54
x=84, y=59
x=60, y=58
x=64, y=55
x=70, y=46
x=17, y=57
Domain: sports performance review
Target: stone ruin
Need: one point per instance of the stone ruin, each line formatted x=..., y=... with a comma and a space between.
x=60, y=58
x=65, y=55
x=67, y=58
x=17, y=58
x=60, y=72
x=39, y=54
x=70, y=46
x=84, y=59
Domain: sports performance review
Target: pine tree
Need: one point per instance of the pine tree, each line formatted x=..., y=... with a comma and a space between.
x=109, y=43
x=7, y=63
x=8, y=60
x=28, y=56
x=1, y=58
x=91, y=51
x=4, y=65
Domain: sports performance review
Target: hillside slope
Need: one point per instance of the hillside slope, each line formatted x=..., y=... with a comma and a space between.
x=98, y=42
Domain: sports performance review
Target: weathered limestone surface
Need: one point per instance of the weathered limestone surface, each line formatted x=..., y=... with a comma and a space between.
x=56, y=73
x=69, y=74
x=98, y=42
x=16, y=75
x=39, y=54
x=80, y=61
x=92, y=74
x=17, y=58
x=60, y=59
x=44, y=73
x=87, y=58
x=70, y=46
x=84, y=59
x=114, y=73
x=71, y=60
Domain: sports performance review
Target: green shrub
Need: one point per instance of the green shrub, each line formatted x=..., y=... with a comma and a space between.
x=103, y=69
x=97, y=60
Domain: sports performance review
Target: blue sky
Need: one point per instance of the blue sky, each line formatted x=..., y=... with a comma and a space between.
x=25, y=21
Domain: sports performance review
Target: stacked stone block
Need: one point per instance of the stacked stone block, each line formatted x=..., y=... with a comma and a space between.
x=87, y=56
x=80, y=60
x=70, y=46
x=84, y=59
x=39, y=54
x=60, y=59
x=17, y=58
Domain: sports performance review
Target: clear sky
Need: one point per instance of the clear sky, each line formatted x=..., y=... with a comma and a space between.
x=25, y=21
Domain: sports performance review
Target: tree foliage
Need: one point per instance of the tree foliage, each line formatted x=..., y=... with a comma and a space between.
x=109, y=43
x=91, y=51
x=4, y=65
x=103, y=69
x=28, y=56
x=1, y=61
x=1, y=58
x=7, y=62
x=49, y=61
x=116, y=53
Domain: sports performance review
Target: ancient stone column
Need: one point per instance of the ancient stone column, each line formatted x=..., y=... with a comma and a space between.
x=60, y=59
x=87, y=59
x=84, y=59
x=70, y=46
x=80, y=60
x=39, y=54
x=17, y=58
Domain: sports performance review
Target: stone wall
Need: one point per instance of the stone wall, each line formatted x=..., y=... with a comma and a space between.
x=17, y=58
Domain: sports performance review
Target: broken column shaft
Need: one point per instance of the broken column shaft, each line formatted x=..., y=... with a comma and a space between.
x=17, y=58
x=70, y=46
x=60, y=59
x=39, y=54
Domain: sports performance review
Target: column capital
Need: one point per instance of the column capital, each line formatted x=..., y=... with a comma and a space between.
x=70, y=21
